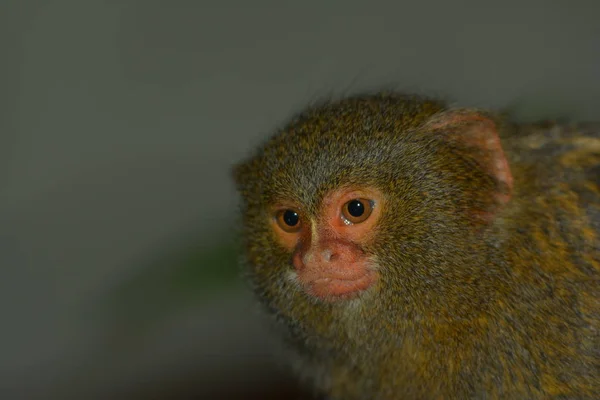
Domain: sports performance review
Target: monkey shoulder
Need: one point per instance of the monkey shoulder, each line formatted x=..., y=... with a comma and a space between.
x=554, y=250
x=570, y=152
x=557, y=171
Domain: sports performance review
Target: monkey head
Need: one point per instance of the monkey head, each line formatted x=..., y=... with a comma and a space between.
x=371, y=205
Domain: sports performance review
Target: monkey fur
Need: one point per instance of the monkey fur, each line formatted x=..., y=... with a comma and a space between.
x=487, y=251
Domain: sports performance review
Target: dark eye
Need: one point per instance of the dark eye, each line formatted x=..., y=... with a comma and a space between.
x=357, y=210
x=288, y=220
x=291, y=218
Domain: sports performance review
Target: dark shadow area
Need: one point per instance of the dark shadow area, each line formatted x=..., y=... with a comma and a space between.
x=184, y=326
x=278, y=386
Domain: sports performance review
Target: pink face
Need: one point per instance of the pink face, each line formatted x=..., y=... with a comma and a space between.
x=328, y=259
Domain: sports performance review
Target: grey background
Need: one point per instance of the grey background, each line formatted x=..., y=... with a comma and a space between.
x=120, y=121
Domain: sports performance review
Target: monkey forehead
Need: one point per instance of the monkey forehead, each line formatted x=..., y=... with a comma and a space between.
x=349, y=142
x=367, y=114
x=306, y=176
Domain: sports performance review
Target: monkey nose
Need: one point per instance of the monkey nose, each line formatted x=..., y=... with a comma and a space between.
x=318, y=256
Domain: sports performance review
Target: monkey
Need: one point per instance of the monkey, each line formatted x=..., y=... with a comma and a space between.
x=409, y=249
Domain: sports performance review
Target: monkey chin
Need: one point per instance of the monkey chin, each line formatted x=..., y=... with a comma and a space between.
x=331, y=288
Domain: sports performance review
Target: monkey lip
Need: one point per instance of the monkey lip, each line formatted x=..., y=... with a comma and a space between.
x=331, y=287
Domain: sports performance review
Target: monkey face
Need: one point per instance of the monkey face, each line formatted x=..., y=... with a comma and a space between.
x=350, y=210
x=328, y=257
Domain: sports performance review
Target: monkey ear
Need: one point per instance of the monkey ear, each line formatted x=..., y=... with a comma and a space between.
x=477, y=134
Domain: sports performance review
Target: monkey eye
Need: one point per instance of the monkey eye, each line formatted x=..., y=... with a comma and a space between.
x=288, y=220
x=357, y=210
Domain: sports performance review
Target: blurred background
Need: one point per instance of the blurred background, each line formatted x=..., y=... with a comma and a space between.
x=119, y=123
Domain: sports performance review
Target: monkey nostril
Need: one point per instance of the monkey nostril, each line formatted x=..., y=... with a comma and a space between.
x=328, y=255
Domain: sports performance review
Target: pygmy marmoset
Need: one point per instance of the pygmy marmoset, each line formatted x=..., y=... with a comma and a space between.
x=411, y=250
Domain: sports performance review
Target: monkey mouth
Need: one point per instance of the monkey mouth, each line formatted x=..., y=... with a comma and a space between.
x=329, y=287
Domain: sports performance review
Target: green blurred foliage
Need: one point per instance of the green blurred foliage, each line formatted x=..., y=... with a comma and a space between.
x=173, y=282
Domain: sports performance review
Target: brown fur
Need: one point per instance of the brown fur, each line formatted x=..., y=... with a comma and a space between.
x=502, y=307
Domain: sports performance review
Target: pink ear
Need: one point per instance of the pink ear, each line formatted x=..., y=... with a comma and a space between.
x=477, y=134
